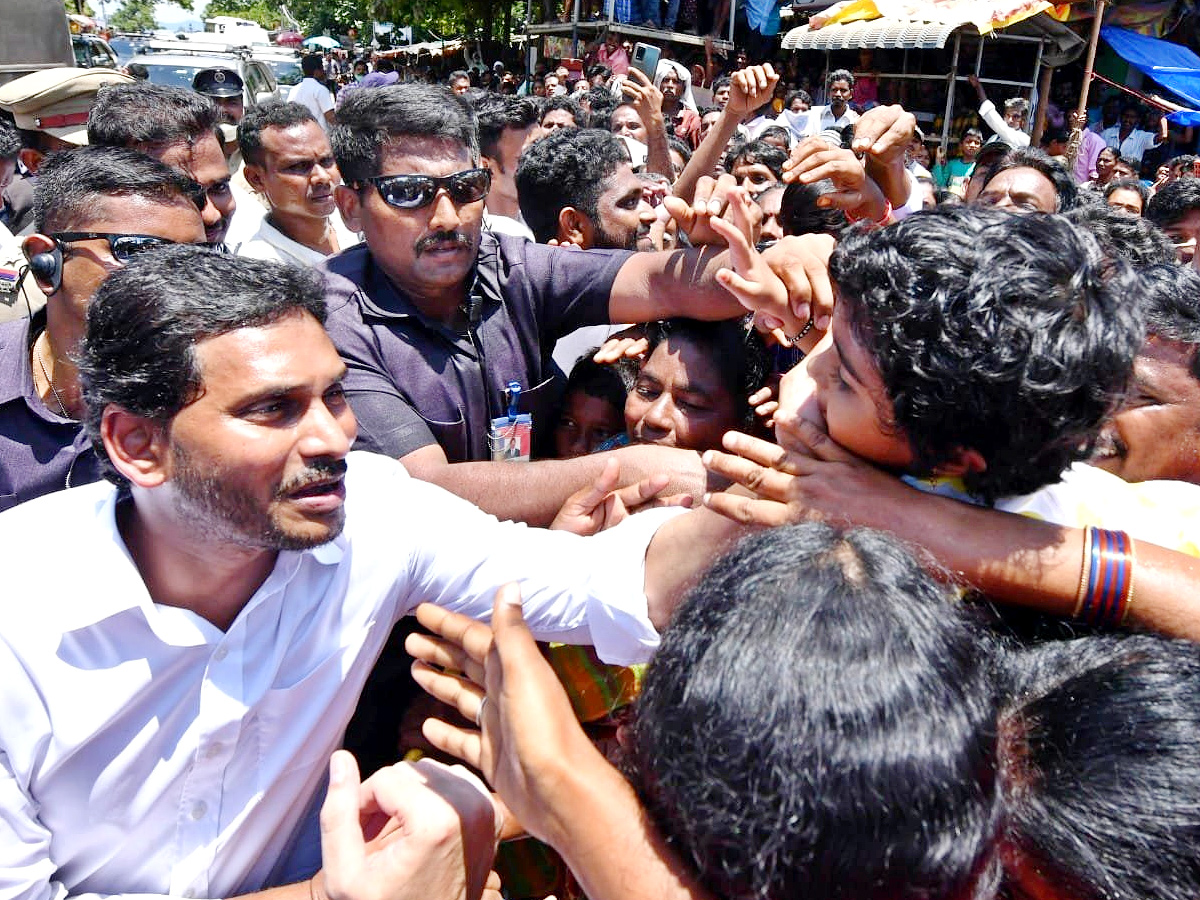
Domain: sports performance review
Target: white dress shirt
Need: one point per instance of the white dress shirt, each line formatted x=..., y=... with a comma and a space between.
x=1136, y=143
x=145, y=751
x=1014, y=137
x=315, y=96
x=269, y=243
x=821, y=118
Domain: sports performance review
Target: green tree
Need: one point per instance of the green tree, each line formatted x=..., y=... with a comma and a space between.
x=134, y=15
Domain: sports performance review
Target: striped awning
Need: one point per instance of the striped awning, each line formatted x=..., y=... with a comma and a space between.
x=879, y=33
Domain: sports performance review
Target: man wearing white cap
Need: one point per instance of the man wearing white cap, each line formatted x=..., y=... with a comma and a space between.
x=50, y=109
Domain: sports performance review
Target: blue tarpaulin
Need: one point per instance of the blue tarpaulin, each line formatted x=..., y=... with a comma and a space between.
x=1173, y=66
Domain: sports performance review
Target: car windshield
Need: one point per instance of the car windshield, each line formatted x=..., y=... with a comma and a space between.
x=172, y=73
x=287, y=71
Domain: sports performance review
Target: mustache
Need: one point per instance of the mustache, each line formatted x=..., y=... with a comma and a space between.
x=442, y=237
x=319, y=470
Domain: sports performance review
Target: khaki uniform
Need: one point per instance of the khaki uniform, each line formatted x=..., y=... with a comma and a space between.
x=16, y=303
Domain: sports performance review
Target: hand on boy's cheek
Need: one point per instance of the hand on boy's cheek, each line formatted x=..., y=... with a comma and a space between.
x=797, y=403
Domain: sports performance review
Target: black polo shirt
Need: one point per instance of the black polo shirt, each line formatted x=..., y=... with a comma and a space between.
x=40, y=451
x=413, y=381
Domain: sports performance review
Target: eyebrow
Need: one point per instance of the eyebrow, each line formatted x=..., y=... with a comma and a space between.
x=284, y=389
x=846, y=362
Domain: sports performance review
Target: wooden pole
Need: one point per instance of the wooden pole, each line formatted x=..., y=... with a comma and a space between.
x=1039, y=124
x=1079, y=120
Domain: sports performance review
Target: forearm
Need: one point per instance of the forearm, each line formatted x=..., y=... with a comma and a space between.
x=651, y=286
x=704, y=160
x=893, y=180
x=1028, y=562
x=614, y=851
x=658, y=156
x=681, y=551
x=533, y=492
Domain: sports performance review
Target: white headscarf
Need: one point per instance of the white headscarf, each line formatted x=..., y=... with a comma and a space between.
x=685, y=77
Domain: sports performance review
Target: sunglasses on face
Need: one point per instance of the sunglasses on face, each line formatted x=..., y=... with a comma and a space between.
x=124, y=247
x=416, y=191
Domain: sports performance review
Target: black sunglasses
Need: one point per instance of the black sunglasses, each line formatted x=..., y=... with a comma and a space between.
x=416, y=191
x=125, y=247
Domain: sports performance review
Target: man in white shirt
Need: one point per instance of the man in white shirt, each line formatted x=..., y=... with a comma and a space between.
x=313, y=92
x=290, y=164
x=171, y=701
x=838, y=114
x=1130, y=139
x=507, y=125
x=1011, y=127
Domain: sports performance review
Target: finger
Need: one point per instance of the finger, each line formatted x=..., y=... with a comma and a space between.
x=342, y=847
x=765, y=453
x=585, y=501
x=634, y=495
x=515, y=647
x=638, y=74
x=434, y=651
x=762, y=395
x=820, y=445
x=461, y=743
x=473, y=637
x=750, y=511
x=767, y=410
x=453, y=690
x=493, y=881
x=683, y=213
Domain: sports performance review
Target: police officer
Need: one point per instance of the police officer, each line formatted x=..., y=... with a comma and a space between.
x=225, y=88
x=50, y=109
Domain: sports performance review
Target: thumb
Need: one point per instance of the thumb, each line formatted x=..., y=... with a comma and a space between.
x=513, y=641
x=342, y=847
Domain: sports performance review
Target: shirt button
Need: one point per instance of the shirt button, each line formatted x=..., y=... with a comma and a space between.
x=220, y=654
x=199, y=808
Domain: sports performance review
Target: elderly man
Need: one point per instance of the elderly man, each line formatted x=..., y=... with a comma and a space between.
x=171, y=708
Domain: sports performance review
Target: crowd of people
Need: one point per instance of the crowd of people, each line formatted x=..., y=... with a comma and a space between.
x=758, y=508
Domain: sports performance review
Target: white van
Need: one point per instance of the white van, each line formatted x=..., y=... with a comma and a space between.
x=237, y=31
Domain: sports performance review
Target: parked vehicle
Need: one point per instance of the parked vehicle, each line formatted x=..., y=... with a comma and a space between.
x=92, y=52
x=176, y=63
x=33, y=36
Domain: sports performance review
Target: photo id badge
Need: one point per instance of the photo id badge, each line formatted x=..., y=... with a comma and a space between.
x=511, y=436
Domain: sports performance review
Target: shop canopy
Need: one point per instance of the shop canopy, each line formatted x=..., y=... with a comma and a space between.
x=1173, y=66
x=929, y=24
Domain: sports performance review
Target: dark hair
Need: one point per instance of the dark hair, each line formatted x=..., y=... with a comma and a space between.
x=1170, y=305
x=759, y=152
x=146, y=319
x=1128, y=184
x=803, y=96
x=1122, y=236
x=566, y=103
x=819, y=723
x=839, y=75
x=601, y=104
x=721, y=81
x=369, y=120
x=737, y=352
x=1173, y=201
x=1056, y=174
x=144, y=115
x=799, y=213
x=495, y=114
x=1132, y=163
x=1010, y=335
x=775, y=131
x=70, y=184
x=681, y=148
x=598, y=70
x=311, y=64
x=276, y=114
x=1183, y=161
x=456, y=75
x=10, y=140
x=384, y=64
x=568, y=167
x=610, y=382
x=1100, y=763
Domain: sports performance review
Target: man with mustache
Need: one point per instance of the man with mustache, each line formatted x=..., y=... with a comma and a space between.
x=173, y=699
x=436, y=317
x=290, y=164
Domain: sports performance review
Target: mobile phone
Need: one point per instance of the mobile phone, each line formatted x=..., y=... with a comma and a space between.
x=645, y=59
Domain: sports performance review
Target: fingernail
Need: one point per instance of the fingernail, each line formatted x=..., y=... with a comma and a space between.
x=771, y=322
x=706, y=457
x=337, y=769
x=822, y=201
x=803, y=312
x=661, y=214
x=823, y=323
x=706, y=499
x=512, y=598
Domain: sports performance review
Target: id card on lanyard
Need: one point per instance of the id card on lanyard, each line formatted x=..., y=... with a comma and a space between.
x=511, y=436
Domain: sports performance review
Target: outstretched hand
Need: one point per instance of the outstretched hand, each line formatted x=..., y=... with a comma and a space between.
x=602, y=504
x=529, y=740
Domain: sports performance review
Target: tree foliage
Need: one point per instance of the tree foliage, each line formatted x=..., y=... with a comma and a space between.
x=134, y=15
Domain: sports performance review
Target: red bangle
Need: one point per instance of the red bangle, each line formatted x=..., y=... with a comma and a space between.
x=882, y=220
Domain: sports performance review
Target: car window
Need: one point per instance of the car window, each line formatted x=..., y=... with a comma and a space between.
x=287, y=71
x=174, y=74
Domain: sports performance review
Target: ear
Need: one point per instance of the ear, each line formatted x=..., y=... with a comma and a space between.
x=491, y=165
x=349, y=204
x=254, y=178
x=31, y=159
x=137, y=447
x=575, y=227
x=965, y=461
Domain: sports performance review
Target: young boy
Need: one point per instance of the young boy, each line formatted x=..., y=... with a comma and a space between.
x=954, y=175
